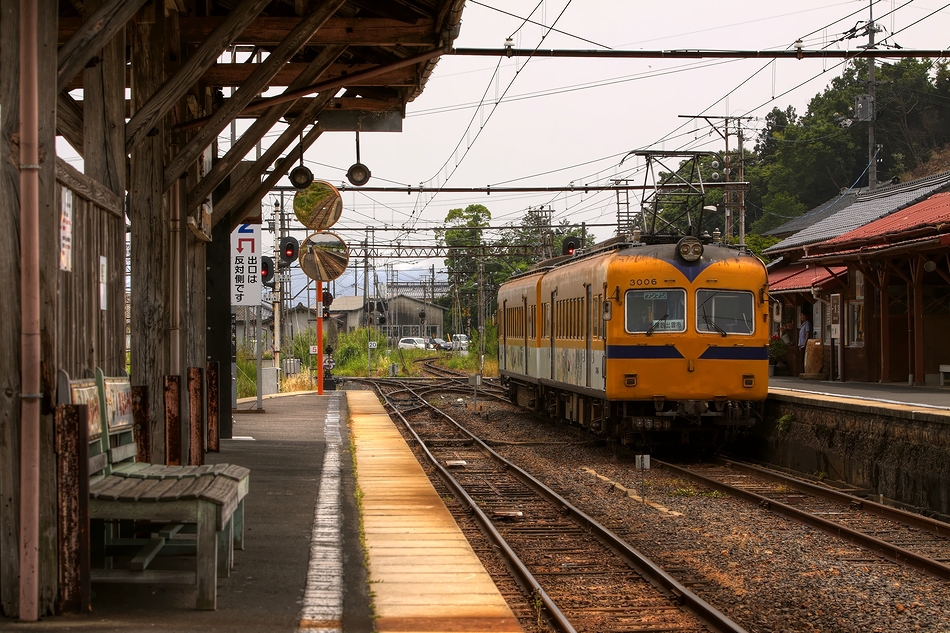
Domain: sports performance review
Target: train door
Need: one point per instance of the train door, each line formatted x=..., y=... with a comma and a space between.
x=553, y=330
x=588, y=356
x=503, y=361
x=524, y=331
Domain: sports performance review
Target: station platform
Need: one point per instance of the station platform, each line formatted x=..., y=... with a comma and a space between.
x=896, y=398
x=304, y=567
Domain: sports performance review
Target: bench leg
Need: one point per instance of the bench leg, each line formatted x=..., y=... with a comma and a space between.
x=207, y=573
x=226, y=550
x=238, y=521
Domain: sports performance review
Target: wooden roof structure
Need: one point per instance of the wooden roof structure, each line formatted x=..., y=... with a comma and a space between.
x=159, y=80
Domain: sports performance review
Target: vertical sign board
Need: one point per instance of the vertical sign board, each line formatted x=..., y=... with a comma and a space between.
x=836, y=316
x=66, y=230
x=246, y=265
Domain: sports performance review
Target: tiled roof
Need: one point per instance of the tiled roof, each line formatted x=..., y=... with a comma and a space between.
x=932, y=211
x=799, y=278
x=814, y=216
x=866, y=208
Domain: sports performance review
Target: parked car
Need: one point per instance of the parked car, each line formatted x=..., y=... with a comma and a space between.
x=439, y=344
x=460, y=342
x=411, y=343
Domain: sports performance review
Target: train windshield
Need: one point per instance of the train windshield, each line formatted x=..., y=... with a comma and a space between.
x=725, y=312
x=654, y=311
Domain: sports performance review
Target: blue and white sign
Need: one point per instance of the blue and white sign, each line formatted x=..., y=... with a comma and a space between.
x=246, y=265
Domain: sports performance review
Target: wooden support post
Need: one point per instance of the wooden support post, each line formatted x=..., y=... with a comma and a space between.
x=150, y=241
x=173, y=420
x=917, y=271
x=218, y=287
x=143, y=439
x=214, y=431
x=885, y=339
x=72, y=450
x=196, y=416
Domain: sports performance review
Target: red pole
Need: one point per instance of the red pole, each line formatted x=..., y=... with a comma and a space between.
x=29, y=314
x=320, y=339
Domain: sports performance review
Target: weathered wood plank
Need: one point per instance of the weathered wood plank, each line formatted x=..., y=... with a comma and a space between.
x=224, y=166
x=104, y=96
x=103, y=25
x=173, y=420
x=236, y=74
x=147, y=116
x=249, y=181
x=69, y=121
x=288, y=47
x=70, y=425
x=89, y=188
x=267, y=31
x=140, y=415
x=213, y=387
x=258, y=190
x=141, y=560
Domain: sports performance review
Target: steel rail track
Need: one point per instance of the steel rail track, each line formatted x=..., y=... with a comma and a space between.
x=707, y=614
x=889, y=551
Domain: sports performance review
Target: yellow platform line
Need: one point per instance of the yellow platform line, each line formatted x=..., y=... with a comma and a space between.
x=424, y=575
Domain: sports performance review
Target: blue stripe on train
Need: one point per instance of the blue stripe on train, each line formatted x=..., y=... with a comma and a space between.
x=643, y=351
x=736, y=353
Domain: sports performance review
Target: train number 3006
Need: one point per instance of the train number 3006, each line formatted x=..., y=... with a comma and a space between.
x=643, y=282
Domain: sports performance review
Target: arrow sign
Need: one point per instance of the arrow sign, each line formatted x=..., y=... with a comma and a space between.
x=245, y=270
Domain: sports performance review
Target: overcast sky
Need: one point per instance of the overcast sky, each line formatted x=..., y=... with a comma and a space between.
x=550, y=122
x=573, y=120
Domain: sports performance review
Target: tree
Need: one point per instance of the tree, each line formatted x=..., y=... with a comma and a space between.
x=464, y=232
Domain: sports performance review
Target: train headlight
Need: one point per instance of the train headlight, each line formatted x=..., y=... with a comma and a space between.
x=690, y=248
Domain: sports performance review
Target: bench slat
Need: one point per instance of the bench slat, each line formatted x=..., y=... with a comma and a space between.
x=98, y=463
x=113, y=493
x=103, y=485
x=233, y=471
x=141, y=487
x=120, y=453
x=196, y=487
x=130, y=470
x=162, y=491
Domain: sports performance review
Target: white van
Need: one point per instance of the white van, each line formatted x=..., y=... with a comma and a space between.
x=460, y=342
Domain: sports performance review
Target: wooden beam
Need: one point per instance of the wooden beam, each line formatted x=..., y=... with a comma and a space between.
x=243, y=145
x=250, y=89
x=238, y=191
x=266, y=31
x=98, y=29
x=236, y=74
x=89, y=188
x=147, y=116
x=323, y=86
x=883, y=279
x=253, y=199
x=104, y=100
x=69, y=122
x=917, y=272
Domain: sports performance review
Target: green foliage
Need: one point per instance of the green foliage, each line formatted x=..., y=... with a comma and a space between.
x=352, y=352
x=784, y=423
x=246, y=374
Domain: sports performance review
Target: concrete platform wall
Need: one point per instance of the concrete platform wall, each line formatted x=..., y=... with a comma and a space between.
x=895, y=451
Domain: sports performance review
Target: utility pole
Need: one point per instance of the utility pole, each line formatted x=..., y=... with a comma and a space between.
x=872, y=149
x=481, y=311
x=731, y=205
x=278, y=304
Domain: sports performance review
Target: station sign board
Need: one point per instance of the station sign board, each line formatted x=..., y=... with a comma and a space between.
x=246, y=265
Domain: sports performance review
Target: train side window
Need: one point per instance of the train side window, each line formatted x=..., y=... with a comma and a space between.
x=655, y=311
x=725, y=312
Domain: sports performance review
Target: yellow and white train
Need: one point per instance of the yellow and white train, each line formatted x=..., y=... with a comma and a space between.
x=648, y=344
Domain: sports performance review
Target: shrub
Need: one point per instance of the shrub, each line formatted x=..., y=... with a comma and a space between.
x=777, y=348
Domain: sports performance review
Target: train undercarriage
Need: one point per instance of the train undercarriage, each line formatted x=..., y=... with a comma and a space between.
x=650, y=424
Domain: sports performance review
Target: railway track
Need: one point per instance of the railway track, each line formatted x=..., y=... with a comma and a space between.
x=576, y=573
x=902, y=537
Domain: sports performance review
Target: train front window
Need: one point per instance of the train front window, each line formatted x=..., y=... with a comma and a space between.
x=655, y=311
x=725, y=312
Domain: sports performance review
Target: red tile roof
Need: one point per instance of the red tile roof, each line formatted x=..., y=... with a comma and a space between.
x=803, y=279
x=931, y=212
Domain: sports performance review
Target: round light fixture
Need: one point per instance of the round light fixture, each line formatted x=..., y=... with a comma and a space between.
x=930, y=266
x=358, y=174
x=300, y=177
x=690, y=249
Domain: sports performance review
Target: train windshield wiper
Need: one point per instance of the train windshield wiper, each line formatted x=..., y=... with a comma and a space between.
x=656, y=323
x=712, y=323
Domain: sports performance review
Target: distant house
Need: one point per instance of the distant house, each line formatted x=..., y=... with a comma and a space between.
x=396, y=317
x=876, y=274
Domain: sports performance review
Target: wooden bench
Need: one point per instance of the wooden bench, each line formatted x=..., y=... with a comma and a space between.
x=176, y=500
x=944, y=370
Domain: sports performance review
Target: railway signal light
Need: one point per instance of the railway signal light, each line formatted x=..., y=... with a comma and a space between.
x=326, y=311
x=381, y=320
x=569, y=245
x=289, y=248
x=327, y=298
x=267, y=271
x=422, y=316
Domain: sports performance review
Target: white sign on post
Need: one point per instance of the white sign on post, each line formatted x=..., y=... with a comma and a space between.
x=66, y=230
x=246, y=265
